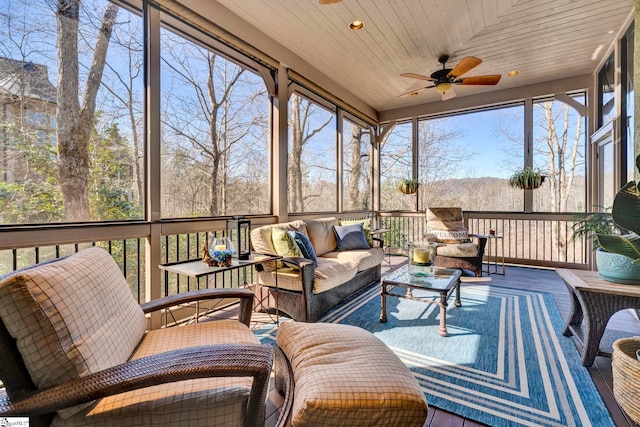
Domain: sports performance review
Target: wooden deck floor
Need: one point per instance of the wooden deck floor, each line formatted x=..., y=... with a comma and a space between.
x=523, y=278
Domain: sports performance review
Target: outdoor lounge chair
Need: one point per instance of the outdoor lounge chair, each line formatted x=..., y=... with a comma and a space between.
x=75, y=350
x=456, y=247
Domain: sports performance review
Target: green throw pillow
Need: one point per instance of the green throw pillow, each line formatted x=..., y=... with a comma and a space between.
x=366, y=223
x=284, y=243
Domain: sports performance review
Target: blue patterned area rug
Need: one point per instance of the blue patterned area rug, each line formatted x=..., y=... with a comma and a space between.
x=504, y=363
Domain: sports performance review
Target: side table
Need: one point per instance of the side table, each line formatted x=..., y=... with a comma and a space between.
x=492, y=249
x=593, y=302
x=198, y=269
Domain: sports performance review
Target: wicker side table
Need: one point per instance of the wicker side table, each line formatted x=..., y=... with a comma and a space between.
x=626, y=376
x=593, y=302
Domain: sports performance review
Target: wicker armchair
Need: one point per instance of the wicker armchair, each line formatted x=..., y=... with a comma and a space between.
x=457, y=248
x=75, y=350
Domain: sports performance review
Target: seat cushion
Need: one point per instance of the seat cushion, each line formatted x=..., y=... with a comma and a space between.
x=71, y=317
x=344, y=375
x=458, y=250
x=201, y=402
x=364, y=259
x=329, y=273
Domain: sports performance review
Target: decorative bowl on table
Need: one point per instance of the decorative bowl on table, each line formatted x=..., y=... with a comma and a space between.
x=216, y=258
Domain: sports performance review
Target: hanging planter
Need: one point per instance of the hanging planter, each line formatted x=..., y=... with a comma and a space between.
x=408, y=186
x=527, y=179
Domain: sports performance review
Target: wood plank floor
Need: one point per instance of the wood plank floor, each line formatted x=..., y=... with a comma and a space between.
x=531, y=279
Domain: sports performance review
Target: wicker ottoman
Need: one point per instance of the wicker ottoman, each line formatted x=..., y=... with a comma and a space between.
x=344, y=376
x=626, y=376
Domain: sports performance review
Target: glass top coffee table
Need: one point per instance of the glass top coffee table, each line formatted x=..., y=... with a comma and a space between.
x=444, y=281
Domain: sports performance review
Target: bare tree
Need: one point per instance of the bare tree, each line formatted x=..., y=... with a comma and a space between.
x=300, y=134
x=75, y=120
x=206, y=111
x=561, y=149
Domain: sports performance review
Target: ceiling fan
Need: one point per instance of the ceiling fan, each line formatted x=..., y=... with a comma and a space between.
x=444, y=79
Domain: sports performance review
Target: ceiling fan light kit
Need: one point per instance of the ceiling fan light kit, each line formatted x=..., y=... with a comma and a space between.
x=444, y=79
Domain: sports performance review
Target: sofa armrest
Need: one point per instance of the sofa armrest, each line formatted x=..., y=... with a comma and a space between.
x=228, y=360
x=244, y=295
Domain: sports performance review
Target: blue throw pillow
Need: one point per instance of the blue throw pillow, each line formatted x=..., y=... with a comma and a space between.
x=305, y=246
x=351, y=237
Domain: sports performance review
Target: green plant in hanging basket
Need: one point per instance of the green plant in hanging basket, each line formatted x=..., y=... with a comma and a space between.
x=408, y=186
x=527, y=179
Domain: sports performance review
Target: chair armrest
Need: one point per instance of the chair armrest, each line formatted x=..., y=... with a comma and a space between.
x=296, y=262
x=482, y=242
x=379, y=240
x=244, y=295
x=225, y=360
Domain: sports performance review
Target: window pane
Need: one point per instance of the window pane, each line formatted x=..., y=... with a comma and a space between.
x=62, y=156
x=214, y=133
x=466, y=159
x=558, y=151
x=607, y=92
x=396, y=160
x=629, y=99
x=312, y=164
x=356, y=167
x=606, y=171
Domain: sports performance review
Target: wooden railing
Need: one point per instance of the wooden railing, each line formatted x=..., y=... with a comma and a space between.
x=529, y=239
x=541, y=239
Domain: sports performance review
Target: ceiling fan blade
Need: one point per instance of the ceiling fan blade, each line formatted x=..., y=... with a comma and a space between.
x=463, y=66
x=417, y=76
x=492, y=79
x=414, y=91
x=449, y=94
x=329, y=1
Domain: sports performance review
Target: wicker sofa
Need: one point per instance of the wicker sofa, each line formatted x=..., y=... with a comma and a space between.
x=306, y=291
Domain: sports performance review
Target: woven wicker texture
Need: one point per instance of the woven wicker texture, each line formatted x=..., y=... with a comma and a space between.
x=626, y=376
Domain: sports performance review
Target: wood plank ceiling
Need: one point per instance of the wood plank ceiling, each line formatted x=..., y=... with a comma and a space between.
x=543, y=39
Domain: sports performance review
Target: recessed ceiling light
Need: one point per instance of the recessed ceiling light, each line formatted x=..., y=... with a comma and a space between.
x=513, y=73
x=356, y=25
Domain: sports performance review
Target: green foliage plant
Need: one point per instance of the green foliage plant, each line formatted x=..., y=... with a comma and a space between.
x=626, y=215
x=408, y=186
x=527, y=178
x=590, y=224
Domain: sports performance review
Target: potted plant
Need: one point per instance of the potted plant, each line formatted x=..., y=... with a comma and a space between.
x=527, y=179
x=626, y=215
x=611, y=266
x=408, y=186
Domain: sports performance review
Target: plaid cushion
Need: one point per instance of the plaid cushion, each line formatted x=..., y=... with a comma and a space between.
x=345, y=376
x=71, y=317
x=207, y=402
x=321, y=234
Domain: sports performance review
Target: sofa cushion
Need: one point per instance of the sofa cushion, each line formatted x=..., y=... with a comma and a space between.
x=366, y=227
x=331, y=273
x=320, y=232
x=350, y=237
x=305, y=246
x=191, y=402
x=364, y=259
x=284, y=243
x=344, y=375
x=71, y=317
